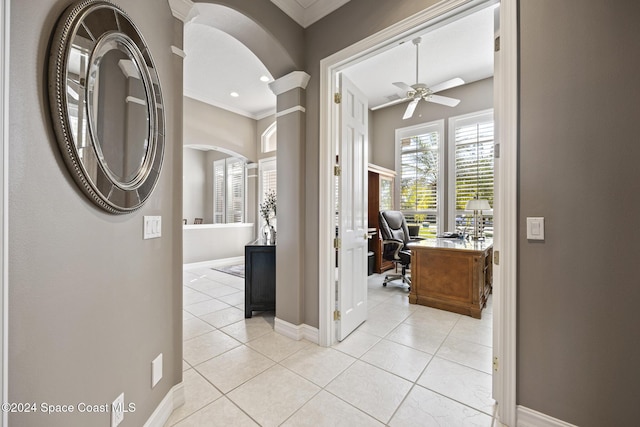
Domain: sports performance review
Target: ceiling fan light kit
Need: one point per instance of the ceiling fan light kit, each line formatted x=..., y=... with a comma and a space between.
x=420, y=91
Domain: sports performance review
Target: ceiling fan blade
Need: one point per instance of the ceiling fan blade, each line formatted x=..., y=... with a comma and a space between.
x=405, y=87
x=410, y=109
x=447, y=85
x=444, y=100
x=390, y=103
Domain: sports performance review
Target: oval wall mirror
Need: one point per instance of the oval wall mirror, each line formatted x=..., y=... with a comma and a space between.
x=107, y=105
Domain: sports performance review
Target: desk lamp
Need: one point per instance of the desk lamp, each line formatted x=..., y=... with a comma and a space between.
x=477, y=206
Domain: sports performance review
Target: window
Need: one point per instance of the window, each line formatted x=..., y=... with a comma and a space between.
x=269, y=140
x=268, y=180
x=420, y=165
x=228, y=190
x=427, y=184
x=471, y=145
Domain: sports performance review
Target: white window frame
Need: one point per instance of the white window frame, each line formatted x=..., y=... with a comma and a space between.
x=455, y=122
x=407, y=132
x=267, y=138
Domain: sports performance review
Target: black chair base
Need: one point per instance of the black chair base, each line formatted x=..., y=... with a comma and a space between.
x=405, y=279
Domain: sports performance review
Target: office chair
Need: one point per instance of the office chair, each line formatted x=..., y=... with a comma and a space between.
x=395, y=236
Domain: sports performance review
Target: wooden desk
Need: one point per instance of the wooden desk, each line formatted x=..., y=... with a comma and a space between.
x=452, y=274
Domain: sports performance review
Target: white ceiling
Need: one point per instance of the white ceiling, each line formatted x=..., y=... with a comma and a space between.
x=463, y=48
x=217, y=64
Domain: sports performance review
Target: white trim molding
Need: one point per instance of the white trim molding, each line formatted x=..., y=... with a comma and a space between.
x=296, y=332
x=182, y=9
x=307, y=15
x=178, y=52
x=293, y=80
x=213, y=263
x=506, y=214
x=291, y=110
x=174, y=399
x=5, y=18
x=530, y=418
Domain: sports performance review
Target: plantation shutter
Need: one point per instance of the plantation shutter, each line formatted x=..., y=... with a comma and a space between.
x=269, y=181
x=419, y=180
x=218, y=191
x=474, y=166
x=235, y=191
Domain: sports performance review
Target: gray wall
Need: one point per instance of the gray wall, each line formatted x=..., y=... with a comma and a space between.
x=578, y=291
x=194, y=184
x=205, y=124
x=198, y=186
x=91, y=304
x=476, y=96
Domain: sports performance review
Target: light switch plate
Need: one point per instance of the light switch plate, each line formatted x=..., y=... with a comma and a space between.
x=152, y=227
x=535, y=228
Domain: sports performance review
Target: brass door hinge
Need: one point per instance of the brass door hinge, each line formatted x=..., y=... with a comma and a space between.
x=495, y=363
x=336, y=243
x=337, y=98
x=496, y=44
x=496, y=257
x=336, y=315
x=337, y=170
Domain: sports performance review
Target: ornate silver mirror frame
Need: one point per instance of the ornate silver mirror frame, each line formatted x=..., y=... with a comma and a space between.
x=106, y=105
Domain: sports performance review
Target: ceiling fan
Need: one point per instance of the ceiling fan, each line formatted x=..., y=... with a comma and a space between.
x=420, y=91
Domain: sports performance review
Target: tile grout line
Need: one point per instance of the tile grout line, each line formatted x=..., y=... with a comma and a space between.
x=324, y=388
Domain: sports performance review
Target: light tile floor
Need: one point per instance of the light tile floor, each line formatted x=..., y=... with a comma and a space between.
x=407, y=365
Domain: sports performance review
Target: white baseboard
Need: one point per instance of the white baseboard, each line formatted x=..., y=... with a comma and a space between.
x=296, y=332
x=213, y=263
x=174, y=399
x=530, y=418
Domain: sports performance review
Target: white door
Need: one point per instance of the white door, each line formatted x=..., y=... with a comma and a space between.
x=352, y=218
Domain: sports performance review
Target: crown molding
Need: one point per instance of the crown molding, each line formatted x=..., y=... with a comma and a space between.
x=309, y=11
x=181, y=9
x=293, y=80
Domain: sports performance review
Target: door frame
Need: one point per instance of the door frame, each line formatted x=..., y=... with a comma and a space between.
x=4, y=201
x=506, y=110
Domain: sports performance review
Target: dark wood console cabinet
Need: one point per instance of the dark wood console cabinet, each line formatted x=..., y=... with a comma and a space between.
x=259, y=278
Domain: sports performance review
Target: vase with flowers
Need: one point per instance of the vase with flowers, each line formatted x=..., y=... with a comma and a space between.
x=268, y=214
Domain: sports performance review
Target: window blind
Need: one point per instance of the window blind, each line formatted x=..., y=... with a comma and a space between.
x=235, y=191
x=269, y=182
x=228, y=191
x=474, y=169
x=419, y=180
x=218, y=191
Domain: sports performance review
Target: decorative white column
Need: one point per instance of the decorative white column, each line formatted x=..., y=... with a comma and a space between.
x=290, y=118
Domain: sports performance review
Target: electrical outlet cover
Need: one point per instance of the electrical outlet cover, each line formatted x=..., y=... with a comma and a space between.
x=156, y=370
x=117, y=411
